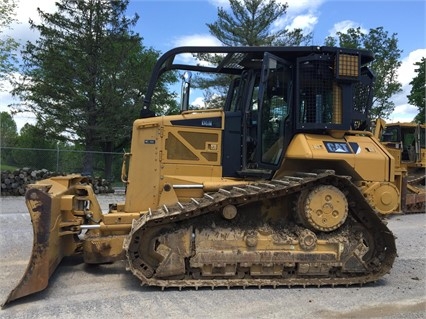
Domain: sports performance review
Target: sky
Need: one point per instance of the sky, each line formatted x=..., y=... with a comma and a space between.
x=165, y=24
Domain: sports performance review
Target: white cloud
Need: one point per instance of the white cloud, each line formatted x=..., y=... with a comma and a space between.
x=20, y=31
x=305, y=22
x=27, y=9
x=407, y=70
x=199, y=103
x=300, y=14
x=196, y=40
x=344, y=25
x=7, y=99
x=405, y=112
x=220, y=3
x=296, y=7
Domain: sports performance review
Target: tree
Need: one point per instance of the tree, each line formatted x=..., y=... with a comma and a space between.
x=8, y=136
x=8, y=45
x=417, y=93
x=386, y=62
x=85, y=76
x=251, y=22
x=33, y=149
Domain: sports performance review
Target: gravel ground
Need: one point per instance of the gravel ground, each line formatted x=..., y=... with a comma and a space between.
x=77, y=290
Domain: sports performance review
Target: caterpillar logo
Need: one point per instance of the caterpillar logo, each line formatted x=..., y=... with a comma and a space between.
x=337, y=147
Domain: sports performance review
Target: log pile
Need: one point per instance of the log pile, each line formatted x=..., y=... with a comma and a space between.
x=14, y=183
x=101, y=186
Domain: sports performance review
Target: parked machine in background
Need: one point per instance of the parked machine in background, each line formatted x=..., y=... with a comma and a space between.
x=278, y=184
x=406, y=142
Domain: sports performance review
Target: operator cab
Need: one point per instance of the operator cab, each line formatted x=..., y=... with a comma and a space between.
x=268, y=94
x=257, y=111
x=409, y=137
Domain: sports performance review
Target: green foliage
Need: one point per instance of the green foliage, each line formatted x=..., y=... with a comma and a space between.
x=417, y=93
x=5, y=167
x=85, y=76
x=33, y=149
x=387, y=61
x=250, y=23
x=8, y=129
x=164, y=102
x=8, y=136
x=8, y=45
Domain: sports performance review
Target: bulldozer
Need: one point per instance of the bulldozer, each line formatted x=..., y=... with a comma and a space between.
x=406, y=142
x=273, y=181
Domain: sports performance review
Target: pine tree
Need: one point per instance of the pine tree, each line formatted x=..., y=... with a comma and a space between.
x=251, y=22
x=85, y=76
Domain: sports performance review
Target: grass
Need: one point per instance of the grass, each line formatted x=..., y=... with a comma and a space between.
x=4, y=167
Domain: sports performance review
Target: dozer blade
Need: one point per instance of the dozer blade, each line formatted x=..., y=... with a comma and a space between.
x=46, y=252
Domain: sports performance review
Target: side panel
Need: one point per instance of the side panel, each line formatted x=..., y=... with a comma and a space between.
x=361, y=153
x=173, y=157
x=191, y=146
x=372, y=162
x=144, y=165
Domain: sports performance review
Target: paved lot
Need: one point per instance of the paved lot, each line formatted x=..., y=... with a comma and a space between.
x=79, y=291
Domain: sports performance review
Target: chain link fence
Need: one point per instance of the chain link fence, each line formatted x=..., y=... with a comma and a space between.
x=21, y=166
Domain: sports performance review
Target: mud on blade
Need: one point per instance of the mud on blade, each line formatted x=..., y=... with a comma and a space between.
x=47, y=249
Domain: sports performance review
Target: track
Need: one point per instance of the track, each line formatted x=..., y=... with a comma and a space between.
x=415, y=202
x=193, y=245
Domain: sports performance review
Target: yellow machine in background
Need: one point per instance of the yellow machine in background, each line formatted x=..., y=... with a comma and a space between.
x=278, y=184
x=406, y=142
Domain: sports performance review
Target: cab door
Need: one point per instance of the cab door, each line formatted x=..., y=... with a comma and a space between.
x=266, y=117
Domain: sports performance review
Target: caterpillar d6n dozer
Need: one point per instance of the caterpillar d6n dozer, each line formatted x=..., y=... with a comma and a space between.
x=406, y=142
x=274, y=182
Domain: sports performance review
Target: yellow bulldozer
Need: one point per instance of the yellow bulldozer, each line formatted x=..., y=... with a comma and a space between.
x=406, y=142
x=274, y=181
